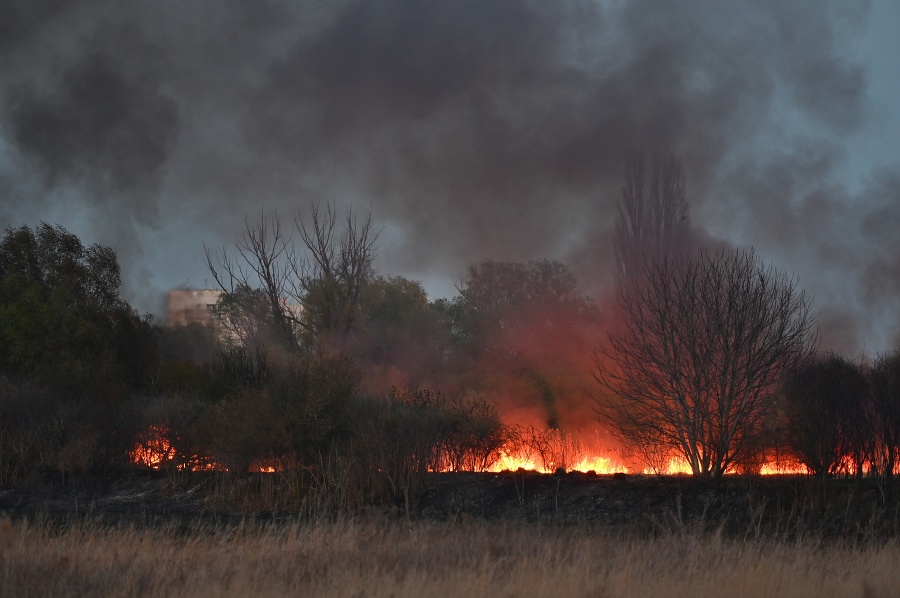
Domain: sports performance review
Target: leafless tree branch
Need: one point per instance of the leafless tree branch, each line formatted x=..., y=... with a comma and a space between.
x=311, y=291
x=653, y=221
x=702, y=343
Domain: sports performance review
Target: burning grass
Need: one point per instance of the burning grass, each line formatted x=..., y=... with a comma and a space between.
x=378, y=557
x=543, y=450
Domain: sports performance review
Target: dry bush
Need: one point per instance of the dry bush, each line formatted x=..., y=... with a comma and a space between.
x=376, y=558
x=290, y=418
x=553, y=449
x=174, y=429
x=28, y=440
x=823, y=404
x=45, y=428
x=476, y=435
x=396, y=442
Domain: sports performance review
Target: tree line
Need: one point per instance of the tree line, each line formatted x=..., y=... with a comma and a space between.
x=356, y=383
x=715, y=359
x=359, y=384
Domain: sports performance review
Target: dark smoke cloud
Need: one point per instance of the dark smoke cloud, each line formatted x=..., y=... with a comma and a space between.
x=472, y=129
x=103, y=127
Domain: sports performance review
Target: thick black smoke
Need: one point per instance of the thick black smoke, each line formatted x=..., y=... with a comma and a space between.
x=472, y=129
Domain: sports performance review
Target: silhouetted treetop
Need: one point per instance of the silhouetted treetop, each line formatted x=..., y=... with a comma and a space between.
x=61, y=314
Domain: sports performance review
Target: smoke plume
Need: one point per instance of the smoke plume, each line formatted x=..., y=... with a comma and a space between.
x=473, y=130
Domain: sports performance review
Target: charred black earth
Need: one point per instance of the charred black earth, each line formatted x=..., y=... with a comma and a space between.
x=739, y=506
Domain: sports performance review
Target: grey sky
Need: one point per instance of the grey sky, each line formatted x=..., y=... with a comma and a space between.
x=471, y=129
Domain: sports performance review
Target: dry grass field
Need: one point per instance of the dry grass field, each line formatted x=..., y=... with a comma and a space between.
x=374, y=557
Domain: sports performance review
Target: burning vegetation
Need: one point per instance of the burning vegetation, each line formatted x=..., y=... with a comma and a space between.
x=358, y=387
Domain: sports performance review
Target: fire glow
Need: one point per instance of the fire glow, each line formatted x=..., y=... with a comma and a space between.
x=153, y=448
x=588, y=464
x=154, y=451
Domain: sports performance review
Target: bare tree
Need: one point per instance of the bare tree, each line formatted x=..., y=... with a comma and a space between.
x=311, y=291
x=258, y=274
x=328, y=279
x=702, y=343
x=652, y=221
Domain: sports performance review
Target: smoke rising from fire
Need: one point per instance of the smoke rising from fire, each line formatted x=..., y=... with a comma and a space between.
x=473, y=130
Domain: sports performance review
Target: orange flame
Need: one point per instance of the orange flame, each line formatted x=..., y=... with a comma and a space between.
x=153, y=448
x=587, y=464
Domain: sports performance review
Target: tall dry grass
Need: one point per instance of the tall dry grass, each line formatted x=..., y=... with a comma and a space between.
x=374, y=558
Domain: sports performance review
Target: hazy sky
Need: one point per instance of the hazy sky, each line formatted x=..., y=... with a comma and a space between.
x=470, y=129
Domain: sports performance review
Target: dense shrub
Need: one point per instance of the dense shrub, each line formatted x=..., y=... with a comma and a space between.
x=174, y=432
x=48, y=428
x=823, y=404
x=885, y=417
x=283, y=414
x=398, y=439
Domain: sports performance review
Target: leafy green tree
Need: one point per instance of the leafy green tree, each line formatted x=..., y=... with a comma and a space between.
x=60, y=312
x=70, y=352
x=536, y=302
x=400, y=339
x=525, y=329
x=455, y=318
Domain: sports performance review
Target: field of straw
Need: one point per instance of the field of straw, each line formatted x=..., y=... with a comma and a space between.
x=375, y=557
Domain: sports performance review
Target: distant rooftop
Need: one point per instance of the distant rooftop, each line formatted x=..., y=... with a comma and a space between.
x=190, y=306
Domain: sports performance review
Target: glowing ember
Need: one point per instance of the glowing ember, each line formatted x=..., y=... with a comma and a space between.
x=153, y=448
x=265, y=468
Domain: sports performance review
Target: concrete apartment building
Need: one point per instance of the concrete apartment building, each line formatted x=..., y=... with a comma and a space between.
x=190, y=306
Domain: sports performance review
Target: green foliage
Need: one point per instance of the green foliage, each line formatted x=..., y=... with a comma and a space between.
x=286, y=413
x=246, y=317
x=61, y=317
x=523, y=330
x=393, y=302
x=187, y=354
x=502, y=297
x=70, y=351
x=398, y=332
